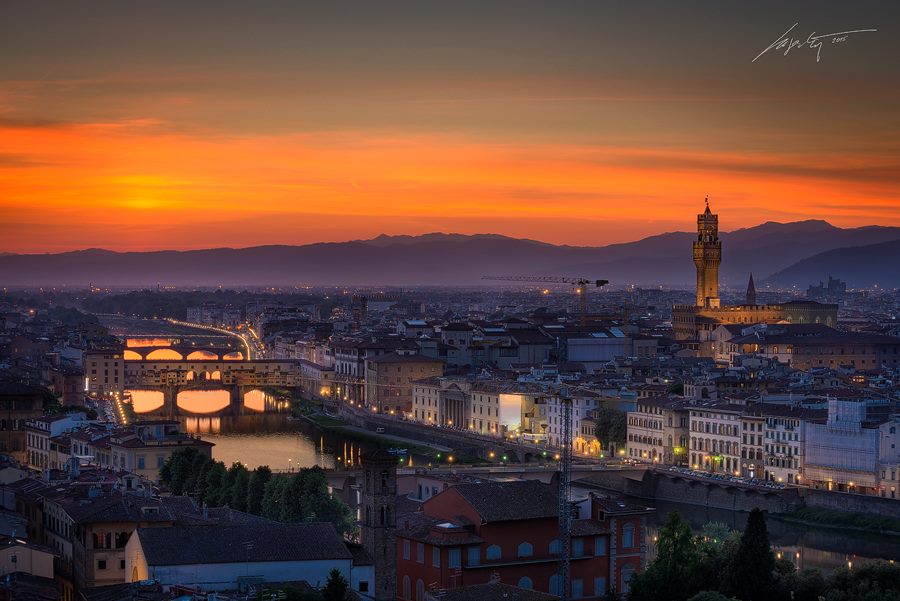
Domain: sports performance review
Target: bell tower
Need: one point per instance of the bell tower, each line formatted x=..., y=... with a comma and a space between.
x=707, y=257
x=378, y=530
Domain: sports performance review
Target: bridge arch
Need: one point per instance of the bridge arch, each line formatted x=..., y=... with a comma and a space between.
x=164, y=354
x=233, y=356
x=203, y=401
x=202, y=356
x=132, y=356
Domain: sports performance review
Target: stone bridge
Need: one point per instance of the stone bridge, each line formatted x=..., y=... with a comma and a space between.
x=179, y=352
x=237, y=377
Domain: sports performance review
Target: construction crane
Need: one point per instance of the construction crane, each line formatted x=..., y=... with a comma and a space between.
x=564, y=500
x=580, y=284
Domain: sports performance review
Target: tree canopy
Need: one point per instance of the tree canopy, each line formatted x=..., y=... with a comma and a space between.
x=298, y=497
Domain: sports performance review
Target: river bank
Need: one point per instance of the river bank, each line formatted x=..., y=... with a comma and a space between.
x=842, y=520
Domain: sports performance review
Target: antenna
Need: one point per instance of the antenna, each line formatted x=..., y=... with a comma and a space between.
x=565, y=489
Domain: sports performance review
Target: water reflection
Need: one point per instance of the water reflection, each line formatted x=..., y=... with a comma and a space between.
x=258, y=400
x=204, y=401
x=264, y=439
x=144, y=401
x=807, y=546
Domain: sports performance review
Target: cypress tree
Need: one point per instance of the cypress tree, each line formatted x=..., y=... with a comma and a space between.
x=750, y=575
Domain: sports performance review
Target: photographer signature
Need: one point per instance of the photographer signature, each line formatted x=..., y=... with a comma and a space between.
x=814, y=42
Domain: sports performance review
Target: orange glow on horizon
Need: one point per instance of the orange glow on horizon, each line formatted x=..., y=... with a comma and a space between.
x=136, y=185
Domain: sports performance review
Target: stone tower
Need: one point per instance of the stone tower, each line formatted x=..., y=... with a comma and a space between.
x=379, y=520
x=751, y=292
x=707, y=257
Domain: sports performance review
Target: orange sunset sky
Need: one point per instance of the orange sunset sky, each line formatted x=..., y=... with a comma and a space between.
x=141, y=126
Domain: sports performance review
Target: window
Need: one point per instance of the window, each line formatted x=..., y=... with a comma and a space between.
x=599, y=586
x=454, y=558
x=577, y=588
x=121, y=564
x=493, y=552
x=554, y=549
x=436, y=557
x=101, y=564
x=406, y=587
x=364, y=586
x=628, y=536
x=526, y=550
x=420, y=553
x=420, y=590
x=140, y=462
x=554, y=584
x=577, y=547
x=405, y=548
x=474, y=556
x=525, y=582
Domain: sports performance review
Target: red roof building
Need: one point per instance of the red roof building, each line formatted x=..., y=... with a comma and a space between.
x=481, y=532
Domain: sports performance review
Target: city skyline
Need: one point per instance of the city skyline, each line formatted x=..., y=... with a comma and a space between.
x=574, y=124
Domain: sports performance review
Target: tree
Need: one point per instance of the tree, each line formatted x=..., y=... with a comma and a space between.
x=675, y=567
x=176, y=471
x=273, y=497
x=214, y=481
x=611, y=426
x=257, y=488
x=750, y=574
x=879, y=581
x=304, y=497
x=335, y=587
x=239, y=490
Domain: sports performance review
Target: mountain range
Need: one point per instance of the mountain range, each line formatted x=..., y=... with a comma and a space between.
x=797, y=253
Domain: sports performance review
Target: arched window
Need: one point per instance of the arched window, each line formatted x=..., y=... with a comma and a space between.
x=554, y=548
x=420, y=590
x=554, y=585
x=628, y=536
x=493, y=552
x=525, y=582
x=525, y=549
x=406, y=588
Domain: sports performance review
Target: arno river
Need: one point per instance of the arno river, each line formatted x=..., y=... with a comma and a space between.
x=265, y=435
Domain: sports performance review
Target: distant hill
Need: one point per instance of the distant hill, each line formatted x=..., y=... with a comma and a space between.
x=859, y=266
x=445, y=259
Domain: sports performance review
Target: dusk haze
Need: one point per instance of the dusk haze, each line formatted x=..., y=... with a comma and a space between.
x=408, y=300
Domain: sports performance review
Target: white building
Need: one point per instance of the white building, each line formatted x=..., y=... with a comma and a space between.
x=38, y=435
x=582, y=406
x=845, y=452
x=658, y=431
x=715, y=432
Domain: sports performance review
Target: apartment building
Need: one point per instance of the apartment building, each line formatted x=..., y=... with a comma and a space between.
x=104, y=371
x=658, y=431
x=715, y=432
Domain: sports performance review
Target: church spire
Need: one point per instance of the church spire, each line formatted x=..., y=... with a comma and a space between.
x=707, y=212
x=751, y=292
